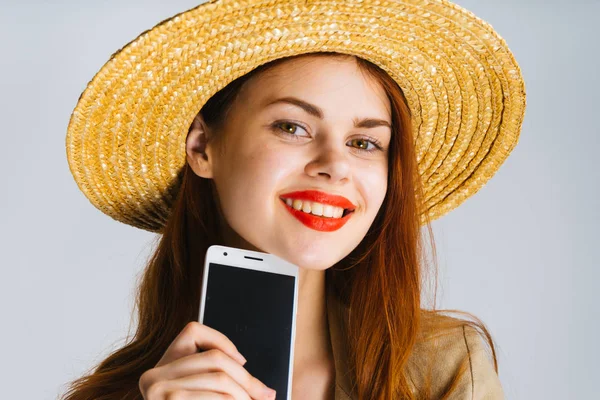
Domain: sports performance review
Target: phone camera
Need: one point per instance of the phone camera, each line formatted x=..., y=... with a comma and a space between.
x=225, y=253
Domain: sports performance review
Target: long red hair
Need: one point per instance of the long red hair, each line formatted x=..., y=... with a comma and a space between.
x=391, y=260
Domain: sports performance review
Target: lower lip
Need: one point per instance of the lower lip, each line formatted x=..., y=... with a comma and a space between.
x=317, y=223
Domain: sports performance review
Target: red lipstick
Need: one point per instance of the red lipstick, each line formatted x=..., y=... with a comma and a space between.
x=324, y=224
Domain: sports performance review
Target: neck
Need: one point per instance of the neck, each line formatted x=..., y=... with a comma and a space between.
x=312, y=345
x=314, y=367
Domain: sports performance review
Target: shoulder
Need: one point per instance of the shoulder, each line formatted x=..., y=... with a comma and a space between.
x=455, y=364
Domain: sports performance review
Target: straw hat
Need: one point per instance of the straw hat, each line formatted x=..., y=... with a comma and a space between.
x=126, y=137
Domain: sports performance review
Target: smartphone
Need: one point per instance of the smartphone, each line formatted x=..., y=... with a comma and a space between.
x=251, y=297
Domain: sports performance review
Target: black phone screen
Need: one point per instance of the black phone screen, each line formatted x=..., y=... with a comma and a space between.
x=254, y=309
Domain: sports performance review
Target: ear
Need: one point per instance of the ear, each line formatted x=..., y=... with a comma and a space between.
x=198, y=149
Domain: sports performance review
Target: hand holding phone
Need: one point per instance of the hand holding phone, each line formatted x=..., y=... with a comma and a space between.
x=184, y=372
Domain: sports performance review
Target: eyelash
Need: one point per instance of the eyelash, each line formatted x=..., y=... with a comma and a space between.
x=376, y=143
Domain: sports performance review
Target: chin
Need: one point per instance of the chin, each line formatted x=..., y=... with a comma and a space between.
x=317, y=259
x=315, y=267
x=310, y=254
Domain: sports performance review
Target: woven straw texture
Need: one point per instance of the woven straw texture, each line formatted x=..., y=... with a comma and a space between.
x=126, y=137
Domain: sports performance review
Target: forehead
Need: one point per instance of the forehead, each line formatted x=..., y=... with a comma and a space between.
x=336, y=84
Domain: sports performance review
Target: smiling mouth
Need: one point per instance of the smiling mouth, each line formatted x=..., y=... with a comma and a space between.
x=320, y=222
x=308, y=209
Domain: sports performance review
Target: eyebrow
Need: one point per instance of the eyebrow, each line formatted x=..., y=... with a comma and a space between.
x=317, y=112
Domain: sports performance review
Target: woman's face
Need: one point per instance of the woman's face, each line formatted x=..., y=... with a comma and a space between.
x=273, y=147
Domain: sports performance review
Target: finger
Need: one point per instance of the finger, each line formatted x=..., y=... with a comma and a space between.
x=218, y=382
x=196, y=336
x=212, y=361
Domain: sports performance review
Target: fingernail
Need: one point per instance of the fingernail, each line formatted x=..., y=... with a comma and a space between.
x=270, y=393
x=241, y=358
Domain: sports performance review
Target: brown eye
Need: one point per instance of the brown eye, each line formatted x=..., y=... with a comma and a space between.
x=363, y=144
x=289, y=128
x=366, y=144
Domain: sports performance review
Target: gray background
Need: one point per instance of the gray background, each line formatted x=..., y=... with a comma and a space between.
x=519, y=254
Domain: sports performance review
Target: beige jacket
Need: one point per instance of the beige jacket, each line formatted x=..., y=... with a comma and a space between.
x=480, y=382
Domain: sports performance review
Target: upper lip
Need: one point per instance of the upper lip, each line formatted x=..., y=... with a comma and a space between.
x=321, y=197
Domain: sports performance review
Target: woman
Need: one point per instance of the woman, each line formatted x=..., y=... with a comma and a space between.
x=197, y=128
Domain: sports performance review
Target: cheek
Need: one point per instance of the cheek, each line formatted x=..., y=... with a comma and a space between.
x=265, y=170
x=374, y=185
x=251, y=181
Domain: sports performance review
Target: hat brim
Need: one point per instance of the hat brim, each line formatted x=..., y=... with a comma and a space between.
x=126, y=136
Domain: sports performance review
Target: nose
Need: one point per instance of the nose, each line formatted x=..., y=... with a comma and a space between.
x=330, y=162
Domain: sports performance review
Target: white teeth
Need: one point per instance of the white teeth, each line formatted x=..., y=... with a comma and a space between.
x=306, y=207
x=319, y=209
x=297, y=204
x=316, y=209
